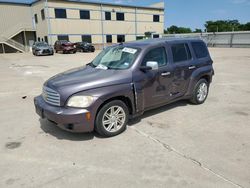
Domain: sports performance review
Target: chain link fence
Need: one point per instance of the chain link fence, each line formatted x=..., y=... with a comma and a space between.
x=219, y=39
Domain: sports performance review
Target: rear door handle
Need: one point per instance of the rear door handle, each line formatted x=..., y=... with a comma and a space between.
x=165, y=73
x=191, y=67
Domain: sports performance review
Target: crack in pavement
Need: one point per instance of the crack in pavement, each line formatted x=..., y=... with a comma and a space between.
x=195, y=161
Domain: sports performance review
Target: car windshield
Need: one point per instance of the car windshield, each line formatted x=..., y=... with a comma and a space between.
x=117, y=57
x=65, y=42
x=41, y=44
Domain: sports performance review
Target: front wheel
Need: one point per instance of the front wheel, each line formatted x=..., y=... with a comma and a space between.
x=200, y=92
x=112, y=118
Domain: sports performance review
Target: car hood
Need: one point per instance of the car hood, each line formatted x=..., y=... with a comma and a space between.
x=85, y=78
x=44, y=48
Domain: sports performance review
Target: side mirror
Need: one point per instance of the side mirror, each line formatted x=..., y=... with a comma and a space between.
x=152, y=64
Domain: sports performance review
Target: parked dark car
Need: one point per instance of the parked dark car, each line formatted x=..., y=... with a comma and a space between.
x=124, y=81
x=64, y=46
x=85, y=47
x=42, y=48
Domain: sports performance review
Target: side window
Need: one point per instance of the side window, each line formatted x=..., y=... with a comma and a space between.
x=158, y=54
x=180, y=52
x=200, y=49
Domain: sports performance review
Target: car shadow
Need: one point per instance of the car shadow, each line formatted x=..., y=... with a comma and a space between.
x=51, y=128
x=158, y=110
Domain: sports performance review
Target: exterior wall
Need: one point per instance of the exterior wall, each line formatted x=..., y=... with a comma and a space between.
x=41, y=26
x=137, y=22
x=14, y=18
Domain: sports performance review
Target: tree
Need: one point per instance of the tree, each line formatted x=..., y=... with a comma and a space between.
x=197, y=31
x=222, y=25
x=174, y=30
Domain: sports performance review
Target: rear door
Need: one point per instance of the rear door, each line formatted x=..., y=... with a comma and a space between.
x=183, y=68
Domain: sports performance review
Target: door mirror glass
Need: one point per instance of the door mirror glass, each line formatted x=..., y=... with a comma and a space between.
x=152, y=64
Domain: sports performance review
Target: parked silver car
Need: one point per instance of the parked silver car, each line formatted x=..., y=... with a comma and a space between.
x=42, y=48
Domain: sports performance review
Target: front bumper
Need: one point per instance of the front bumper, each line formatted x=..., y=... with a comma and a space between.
x=70, y=119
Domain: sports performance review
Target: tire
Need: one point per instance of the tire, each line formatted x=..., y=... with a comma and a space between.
x=200, y=92
x=118, y=122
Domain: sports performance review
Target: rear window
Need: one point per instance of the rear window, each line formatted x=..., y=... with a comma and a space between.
x=200, y=49
x=180, y=52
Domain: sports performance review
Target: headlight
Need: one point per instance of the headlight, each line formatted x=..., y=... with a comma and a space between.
x=80, y=101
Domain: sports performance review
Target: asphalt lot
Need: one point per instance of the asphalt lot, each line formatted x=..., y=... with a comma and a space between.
x=179, y=145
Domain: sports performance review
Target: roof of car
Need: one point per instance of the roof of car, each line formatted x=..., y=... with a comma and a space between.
x=154, y=42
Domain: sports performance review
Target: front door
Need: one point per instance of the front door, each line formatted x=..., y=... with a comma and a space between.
x=154, y=85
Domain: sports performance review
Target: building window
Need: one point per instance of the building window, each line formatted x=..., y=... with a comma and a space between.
x=119, y=16
x=42, y=14
x=38, y=39
x=63, y=37
x=108, y=38
x=156, y=18
x=120, y=38
x=84, y=14
x=36, y=20
x=107, y=15
x=60, y=13
x=86, y=38
x=46, y=39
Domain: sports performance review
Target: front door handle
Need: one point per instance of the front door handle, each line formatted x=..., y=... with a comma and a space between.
x=191, y=67
x=165, y=73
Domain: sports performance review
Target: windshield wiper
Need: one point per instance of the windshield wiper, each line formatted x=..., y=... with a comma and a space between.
x=91, y=64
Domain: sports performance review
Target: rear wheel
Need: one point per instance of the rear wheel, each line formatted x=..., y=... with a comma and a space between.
x=112, y=119
x=200, y=92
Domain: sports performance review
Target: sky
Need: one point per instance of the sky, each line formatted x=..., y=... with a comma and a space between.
x=192, y=13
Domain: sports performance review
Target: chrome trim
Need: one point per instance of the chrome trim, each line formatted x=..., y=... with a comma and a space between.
x=50, y=96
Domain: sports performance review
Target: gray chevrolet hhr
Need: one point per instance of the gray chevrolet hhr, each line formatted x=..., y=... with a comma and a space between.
x=124, y=81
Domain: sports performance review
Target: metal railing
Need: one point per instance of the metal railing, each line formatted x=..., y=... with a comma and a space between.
x=15, y=44
x=6, y=36
x=219, y=39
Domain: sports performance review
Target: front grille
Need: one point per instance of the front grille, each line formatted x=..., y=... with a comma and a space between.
x=51, y=96
x=46, y=51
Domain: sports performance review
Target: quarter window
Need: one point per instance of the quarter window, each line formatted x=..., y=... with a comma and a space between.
x=108, y=38
x=180, y=52
x=60, y=13
x=200, y=49
x=158, y=54
x=120, y=16
x=86, y=38
x=120, y=38
x=84, y=14
x=156, y=18
x=107, y=15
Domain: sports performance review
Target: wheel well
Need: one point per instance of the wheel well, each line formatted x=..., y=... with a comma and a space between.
x=206, y=77
x=124, y=99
